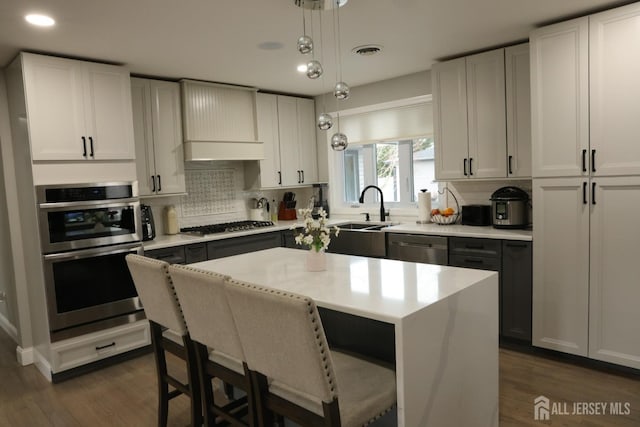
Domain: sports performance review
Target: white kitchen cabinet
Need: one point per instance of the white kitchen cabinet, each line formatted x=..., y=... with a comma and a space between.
x=560, y=99
x=561, y=264
x=470, y=117
x=158, y=136
x=518, y=103
x=614, y=67
x=486, y=115
x=286, y=126
x=614, y=271
x=77, y=110
x=267, y=118
x=450, y=118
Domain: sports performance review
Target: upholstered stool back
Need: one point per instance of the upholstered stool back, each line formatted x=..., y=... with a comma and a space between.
x=283, y=339
x=155, y=289
x=206, y=310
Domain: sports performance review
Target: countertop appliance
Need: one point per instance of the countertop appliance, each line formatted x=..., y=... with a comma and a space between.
x=477, y=215
x=86, y=231
x=319, y=200
x=202, y=230
x=148, y=225
x=509, y=207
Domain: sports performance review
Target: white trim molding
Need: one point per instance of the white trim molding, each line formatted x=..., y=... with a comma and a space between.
x=24, y=355
x=8, y=327
x=42, y=364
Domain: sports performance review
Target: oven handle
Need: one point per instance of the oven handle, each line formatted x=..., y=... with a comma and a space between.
x=91, y=203
x=87, y=253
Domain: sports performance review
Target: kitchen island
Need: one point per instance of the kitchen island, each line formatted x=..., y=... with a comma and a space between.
x=445, y=321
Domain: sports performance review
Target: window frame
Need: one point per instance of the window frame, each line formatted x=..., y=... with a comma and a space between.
x=336, y=164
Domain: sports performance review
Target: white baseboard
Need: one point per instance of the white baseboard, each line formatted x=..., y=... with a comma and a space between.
x=24, y=355
x=8, y=328
x=42, y=364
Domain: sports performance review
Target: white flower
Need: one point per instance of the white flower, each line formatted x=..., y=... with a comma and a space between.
x=308, y=239
x=299, y=239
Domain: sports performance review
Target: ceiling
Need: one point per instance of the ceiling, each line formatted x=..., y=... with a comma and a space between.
x=217, y=40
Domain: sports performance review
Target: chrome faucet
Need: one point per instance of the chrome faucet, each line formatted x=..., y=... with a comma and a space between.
x=361, y=200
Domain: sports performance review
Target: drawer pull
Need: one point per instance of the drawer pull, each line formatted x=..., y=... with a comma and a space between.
x=102, y=347
x=474, y=246
x=474, y=261
x=516, y=245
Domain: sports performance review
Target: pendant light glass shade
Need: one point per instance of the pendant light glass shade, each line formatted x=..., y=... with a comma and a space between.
x=339, y=141
x=341, y=90
x=325, y=121
x=305, y=44
x=314, y=69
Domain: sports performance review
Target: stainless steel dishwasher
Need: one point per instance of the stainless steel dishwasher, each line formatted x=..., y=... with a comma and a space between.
x=417, y=248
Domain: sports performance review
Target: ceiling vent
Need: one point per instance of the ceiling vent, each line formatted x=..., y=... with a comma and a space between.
x=367, y=50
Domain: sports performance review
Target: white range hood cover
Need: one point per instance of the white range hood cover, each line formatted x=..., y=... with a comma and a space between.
x=223, y=150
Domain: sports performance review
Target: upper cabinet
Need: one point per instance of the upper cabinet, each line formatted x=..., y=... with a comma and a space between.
x=585, y=92
x=560, y=98
x=472, y=126
x=77, y=110
x=157, y=128
x=219, y=122
x=518, y=95
x=286, y=125
x=614, y=91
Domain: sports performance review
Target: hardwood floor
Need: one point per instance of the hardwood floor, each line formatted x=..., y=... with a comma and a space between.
x=125, y=394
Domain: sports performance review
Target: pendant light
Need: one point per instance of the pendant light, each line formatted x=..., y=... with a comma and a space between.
x=306, y=46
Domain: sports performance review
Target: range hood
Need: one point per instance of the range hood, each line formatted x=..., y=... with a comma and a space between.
x=219, y=122
x=223, y=150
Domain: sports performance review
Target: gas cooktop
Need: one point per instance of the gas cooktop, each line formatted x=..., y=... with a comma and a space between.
x=226, y=227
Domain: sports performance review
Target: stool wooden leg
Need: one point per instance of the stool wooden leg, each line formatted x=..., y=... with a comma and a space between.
x=161, y=374
x=194, y=382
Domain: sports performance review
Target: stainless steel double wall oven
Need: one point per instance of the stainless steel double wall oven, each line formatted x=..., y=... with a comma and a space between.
x=86, y=230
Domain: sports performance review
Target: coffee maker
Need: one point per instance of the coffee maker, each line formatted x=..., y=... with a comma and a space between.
x=320, y=201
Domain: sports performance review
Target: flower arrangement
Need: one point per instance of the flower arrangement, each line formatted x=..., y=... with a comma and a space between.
x=315, y=234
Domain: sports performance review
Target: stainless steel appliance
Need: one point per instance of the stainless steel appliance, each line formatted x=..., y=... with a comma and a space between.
x=418, y=248
x=148, y=224
x=86, y=230
x=477, y=215
x=509, y=207
x=226, y=227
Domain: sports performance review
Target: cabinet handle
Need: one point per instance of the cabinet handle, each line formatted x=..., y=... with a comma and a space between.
x=465, y=167
x=584, y=160
x=593, y=160
x=102, y=347
x=584, y=193
x=470, y=166
x=593, y=193
x=480, y=247
x=299, y=179
x=84, y=147
x=159, y=183
x=510, y=168
x=516, y=245
x=279, y=177
x=91, y=145
x=474, y=261
x=302, y=176
x=153, y=183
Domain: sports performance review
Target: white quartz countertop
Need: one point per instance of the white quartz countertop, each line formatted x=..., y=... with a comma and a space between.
x=488, y=232
x=380, y=289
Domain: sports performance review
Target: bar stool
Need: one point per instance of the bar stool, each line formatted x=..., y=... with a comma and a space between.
x=218, y=350
x=293, y=371
x=168, y=334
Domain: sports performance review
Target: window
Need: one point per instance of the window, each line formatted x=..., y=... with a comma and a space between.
x=390, y=146
x=400, y=168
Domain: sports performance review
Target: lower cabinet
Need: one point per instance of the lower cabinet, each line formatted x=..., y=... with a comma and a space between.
x=515, y=290
x=74, y=352
x=241, y=245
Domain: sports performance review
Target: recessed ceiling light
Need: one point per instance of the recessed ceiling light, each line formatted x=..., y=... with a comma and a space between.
x=40, y=20
x=270, y=45
x=302, y=68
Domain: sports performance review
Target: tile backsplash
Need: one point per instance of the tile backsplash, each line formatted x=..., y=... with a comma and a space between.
x=215, y=194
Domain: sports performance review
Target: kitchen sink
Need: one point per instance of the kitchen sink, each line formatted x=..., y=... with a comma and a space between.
x=360, y=238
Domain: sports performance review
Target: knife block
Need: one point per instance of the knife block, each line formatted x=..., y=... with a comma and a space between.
x=286, y=214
